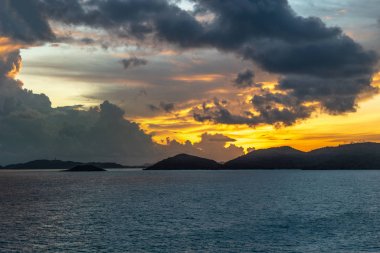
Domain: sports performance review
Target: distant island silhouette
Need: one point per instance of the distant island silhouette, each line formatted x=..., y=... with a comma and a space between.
x=357, y=156
x=58, y=164
x=185, y=162
x=85, y=168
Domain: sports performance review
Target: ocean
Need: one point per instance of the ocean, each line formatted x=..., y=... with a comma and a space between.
x=190, y=211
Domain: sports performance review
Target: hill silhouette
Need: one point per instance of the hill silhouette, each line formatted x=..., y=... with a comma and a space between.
x=273, y=158
x=358, y=156
x=185, y=162
x=58, y=164
x=346, y=157
x=85, y=168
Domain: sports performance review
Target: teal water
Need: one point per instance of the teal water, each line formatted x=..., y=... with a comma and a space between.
x=190, y=211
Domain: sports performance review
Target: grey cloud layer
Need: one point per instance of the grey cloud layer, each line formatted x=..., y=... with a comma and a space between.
x=21, y=20
x=166, y=107
x=317, y=63
x=31, y=129
x=244, y=79
x=133, y=62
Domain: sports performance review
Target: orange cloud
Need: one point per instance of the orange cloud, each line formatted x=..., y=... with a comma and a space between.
x=7, y=46
x=376, y=80
x=168, y=52
x=324, y=130
x=198, y=78
x=16, y=67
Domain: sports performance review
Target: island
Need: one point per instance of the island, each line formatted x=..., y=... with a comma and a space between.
x=268, y=159
x=355, y=156
x=58, y=164
x=85, y=168
x=186, y=162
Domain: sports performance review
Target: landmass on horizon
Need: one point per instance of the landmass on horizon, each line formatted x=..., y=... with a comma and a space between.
x=58, y=164
x=358, y=156
x=85, y=168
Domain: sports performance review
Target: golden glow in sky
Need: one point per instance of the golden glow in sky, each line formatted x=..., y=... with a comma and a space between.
x=7, y=46
x=71, y=88
x=82, y=74
x=200, y=78
x=322, y=130
x=319, y=131
x=138, y=88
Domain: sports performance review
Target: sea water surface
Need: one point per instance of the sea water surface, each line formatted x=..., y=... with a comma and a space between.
x=190, y=211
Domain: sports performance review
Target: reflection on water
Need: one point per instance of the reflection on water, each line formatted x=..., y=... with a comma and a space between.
x=190, y=211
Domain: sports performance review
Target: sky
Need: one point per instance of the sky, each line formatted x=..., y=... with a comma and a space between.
x=135, y=81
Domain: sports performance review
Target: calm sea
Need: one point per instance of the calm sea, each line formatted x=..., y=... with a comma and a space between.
x=190, y=211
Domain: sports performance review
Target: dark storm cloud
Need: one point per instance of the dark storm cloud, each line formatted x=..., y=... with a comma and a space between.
x=153, y=108
x=331, y=58
x=320, y=68
x=10, y=62
x=318, y=63
x=219, y=114
x=167, y=107
x=133, y=62
x=277, y=108
x=30, y=128
x=21, y=20
x=244, y=79
x=254, y=20
x=270, y=108
x=336, y=95
x=163, y=106
x=136, y=18
x=87, y=41
x=237, y=23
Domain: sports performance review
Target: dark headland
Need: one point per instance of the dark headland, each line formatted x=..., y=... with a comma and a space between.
x=358, y=156
x=58, y=164
x=272, y=158
x=185, y=162
x=84, y=168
